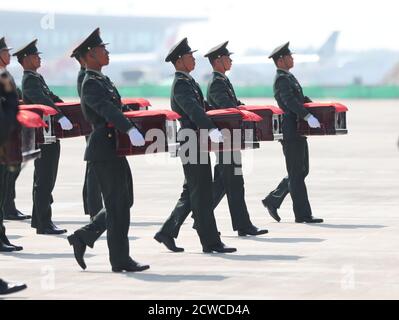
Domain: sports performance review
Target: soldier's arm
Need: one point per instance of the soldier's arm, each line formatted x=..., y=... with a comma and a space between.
x=96, y=98
x=55, y=98
x=185, y=98
x=19, y=93
x=307, y=99
x=289, y=99
x=219, y=92
x=33, y=91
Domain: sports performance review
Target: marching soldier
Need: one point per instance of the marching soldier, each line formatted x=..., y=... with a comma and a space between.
x=289, y=96
x=101, y=105
x=8, y=122
x=228, y=179
x=92, y=201
x=36, y=91
x=188, y=101
x=8, y=210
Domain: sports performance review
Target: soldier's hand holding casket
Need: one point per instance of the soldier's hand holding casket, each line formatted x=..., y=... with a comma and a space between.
x=65, y=123
x=313, y=122
x=216, y=136
x=136, y=138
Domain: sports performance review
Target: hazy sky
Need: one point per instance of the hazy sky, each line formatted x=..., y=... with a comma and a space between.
x=364, y=24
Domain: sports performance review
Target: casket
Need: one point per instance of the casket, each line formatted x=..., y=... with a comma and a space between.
x=269, y=129
x=73, y=111
x=157, y=126
x=136, y=104
x=44, y=135
x=237, y=127
x=332, y=118
x=21, y=146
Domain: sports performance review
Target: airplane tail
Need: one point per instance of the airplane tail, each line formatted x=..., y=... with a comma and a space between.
x=328, y=49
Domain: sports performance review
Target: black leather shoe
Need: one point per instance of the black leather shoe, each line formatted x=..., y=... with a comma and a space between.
x=7, y=242
x=309, y=220
x=252, y=231
x=17, y=216
x=51, y=229
x=272, y=210
x=8, y=288
x=132, y=266
x=79, y=249
x=6, y=248
x=168, y=241
x=219, y=248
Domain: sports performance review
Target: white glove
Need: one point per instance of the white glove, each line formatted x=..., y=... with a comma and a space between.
x=136, y=138
x=313, y=122
x=65, y=123
x=216, y=136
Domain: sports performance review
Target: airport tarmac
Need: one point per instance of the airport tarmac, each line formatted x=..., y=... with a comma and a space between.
x=353, y=184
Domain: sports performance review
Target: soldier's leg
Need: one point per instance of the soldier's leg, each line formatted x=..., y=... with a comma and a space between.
x=45, y=175
x=92, y=200
x=116, y=186
x=234, y=185
x=2, y=187
x=172, y=225
x=277, y=196
x=218, y=187
x=90, y=233
x=199, y=180
x=295, y=155
x=11, y=178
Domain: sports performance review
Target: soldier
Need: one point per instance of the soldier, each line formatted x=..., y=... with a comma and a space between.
x=228, y=177
x=101, y=105
x=36, y=91
x=8, y=122
x=188, y=101
x=289, y=96
x=92, y=201
x=8, y=210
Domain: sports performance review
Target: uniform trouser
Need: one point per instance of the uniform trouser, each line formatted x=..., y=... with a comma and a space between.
x=296, y=154
x=116, y=185
x=8, y=204
x=228, y=180
x=3, y=170
x=92, y=200
x=197, y=196
x=44, y=178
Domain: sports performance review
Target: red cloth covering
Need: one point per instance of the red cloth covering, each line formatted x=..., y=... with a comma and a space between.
x=46, y=110
x=29, y=119
x=140, y=101
x=274, y=109
x=246, y=115
x=67, y=104
x=169, y=114
x=338, y=106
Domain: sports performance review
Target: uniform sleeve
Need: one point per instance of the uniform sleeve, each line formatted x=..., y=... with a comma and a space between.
x=219, y=92
x=33, y=91
x=185, y=98
x=95, y=98
x=289, y=99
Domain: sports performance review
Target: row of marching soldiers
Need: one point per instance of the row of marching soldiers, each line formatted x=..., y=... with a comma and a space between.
x=108, y=187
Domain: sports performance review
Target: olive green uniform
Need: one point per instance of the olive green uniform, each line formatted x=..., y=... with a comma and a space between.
x=101, y=105
x=36, y=91
x=289, y=96
x=188, y=101
x=92, y=201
